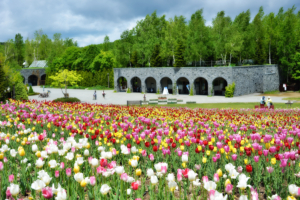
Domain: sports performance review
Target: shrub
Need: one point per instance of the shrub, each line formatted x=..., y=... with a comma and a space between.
x=128, y=90
x=20, y=92
x=30, y=90
x=67, y=100
x=158, y=92
x=192, y=90
x=229, y=90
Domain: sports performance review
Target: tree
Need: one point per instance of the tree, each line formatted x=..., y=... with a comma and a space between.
x=234, y=42
x=104, y=60
x=134, y=58
x=156, y=58
x=259, y=33
x=179, y=55
x=64, y=78
x=20, y=92
x=270, y=24
x=3, y=83
x=106, y=43
x=198, y=38
x=19, y=45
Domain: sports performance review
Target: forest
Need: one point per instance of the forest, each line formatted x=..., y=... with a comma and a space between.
x=268, y=38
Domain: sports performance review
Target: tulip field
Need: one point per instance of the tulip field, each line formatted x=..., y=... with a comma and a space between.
x=86, y=151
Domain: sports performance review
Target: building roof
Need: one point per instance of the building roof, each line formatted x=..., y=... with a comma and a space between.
x=39, y=63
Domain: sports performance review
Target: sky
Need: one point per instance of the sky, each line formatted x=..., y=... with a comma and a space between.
x=89, y=21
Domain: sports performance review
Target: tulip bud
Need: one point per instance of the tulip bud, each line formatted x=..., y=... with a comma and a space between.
x=138, y=172
x=227, y=182
x=21, y=152
x=219, y=172
x=76, y=169
x=83, y=183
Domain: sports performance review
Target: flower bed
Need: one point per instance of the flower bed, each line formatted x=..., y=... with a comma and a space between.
x=79, y=150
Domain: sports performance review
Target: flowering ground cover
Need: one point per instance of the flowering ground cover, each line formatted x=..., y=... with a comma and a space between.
x=86, y=151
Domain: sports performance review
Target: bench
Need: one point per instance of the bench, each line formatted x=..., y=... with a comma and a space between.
x=263, y=106
x=134, y=103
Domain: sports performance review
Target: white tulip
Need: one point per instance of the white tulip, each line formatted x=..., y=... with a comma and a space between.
x=150, y=172
x=95, y=162
x=134, y=163
x=86, y=152
x=210, y=185
x=52, y=164
x=34, y=148
x=44, y=154
x=134, y=149
x=243, y=197
x=80, y=160
x=78, y=177
x=170, y=177
x=192, y=175
x=69, y=156
x=38, y=185
x=61, y=195
x=39, y=163
x=293, y=190
x=229, y=167
x=14, y=189
x=13, y=153
x=154, y=180
x=104, y=189
x=120, y=170
x=128, y=191
x=184, y=158
x=242, y=184
x=196, y=182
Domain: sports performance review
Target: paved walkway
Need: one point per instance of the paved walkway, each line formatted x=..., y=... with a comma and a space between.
x=121, y=97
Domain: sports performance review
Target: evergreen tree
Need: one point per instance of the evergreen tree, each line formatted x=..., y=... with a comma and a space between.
x=3, y=83
x=134, y=59
x=30, y=90
x=179, y=59
x=19, y=45
x=156, y=60
x=20, y=92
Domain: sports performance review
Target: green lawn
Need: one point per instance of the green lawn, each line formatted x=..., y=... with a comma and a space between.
x=97, y=87
x=292, y=98
x=223, y=105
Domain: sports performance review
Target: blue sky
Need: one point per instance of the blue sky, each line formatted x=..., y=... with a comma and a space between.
x=88, y=21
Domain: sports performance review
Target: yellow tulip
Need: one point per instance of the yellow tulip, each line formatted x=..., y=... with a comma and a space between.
x=273, y=161
x=208, y=152
x=83, y=183
x=1, y=156
x=181, y=147
x=138, y=172
x=38, y=154
x=219, y=172
x=21, y=152
x=76, y=169
x=183, y=165
x=246, y=161
x=227, y=182
x=204, y=160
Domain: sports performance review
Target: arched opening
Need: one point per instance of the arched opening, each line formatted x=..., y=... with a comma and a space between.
x=219, y=85
x=136, y=84
x=122, y=84
x=32, y=80
x=201, y=86
x=183, y=86
x=23, y=79
x=150, y=85
x=43, y=79
x=166, y=82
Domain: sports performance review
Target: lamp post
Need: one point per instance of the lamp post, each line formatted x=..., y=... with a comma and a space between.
x=108, y=79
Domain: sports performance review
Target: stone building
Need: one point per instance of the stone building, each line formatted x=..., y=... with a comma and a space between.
x=204, y=80
x=33, y=77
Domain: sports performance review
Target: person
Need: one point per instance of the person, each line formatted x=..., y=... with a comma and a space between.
x=103, y=94
x=262, y=101
x=269, y=102
x=43, y=88
x=95, y=95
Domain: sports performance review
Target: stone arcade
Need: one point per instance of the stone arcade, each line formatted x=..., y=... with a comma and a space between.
x=33, y=76
x=204, y=80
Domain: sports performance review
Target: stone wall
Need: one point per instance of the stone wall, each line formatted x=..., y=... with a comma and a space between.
x=38, y=73
x=249, y=79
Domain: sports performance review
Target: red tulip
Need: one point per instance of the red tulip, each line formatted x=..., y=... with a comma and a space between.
x=155, y=148
x=249, y=168
x=134, y=185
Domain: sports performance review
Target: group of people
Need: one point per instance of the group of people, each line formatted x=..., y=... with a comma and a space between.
x=269, y=101
x=95, y=95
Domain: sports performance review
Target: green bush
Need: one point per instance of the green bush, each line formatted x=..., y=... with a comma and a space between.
x=68, y=100
x=192, y=90
x=32, y=94
x=128, y=90
x=30, y=90
x=229, y=90
x=20, y=91
x=158, y=92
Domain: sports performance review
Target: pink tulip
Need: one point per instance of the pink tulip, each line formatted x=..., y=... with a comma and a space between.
x=124, y=177
x=1, y=166
x=256, y=158
x=62, y=165
x=47, y=192
x=215, y=159
x=265, y=152
x=204, y=179
x=234, y=157
x=69, y=172
x=73, y=149
x=163, y=169
x=216, y=177
x=240, y=169
x=144, y=153
x=151, y=157
x=92, y=180
x=228, y=188
x=179, y=177
x=8, y=194
x=5, y=160
x=56, y=174
x=270, y=169
x=11, y=178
